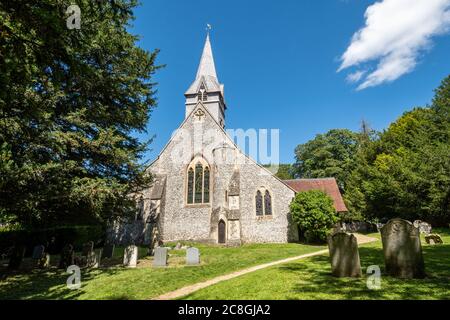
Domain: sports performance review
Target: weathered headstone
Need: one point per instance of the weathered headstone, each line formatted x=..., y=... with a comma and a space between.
x=192, y=256
x=130, y=256
x=402, y=249
x=38, y=252
x=178, y=246
x=160, y=258
x=423, y=227
x=67, y=257
x=344, y=255
x=433, y=239
x=108, y=251
x=16, y=257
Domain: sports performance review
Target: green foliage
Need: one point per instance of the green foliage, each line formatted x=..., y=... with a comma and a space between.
x=285, y=172
x=70, y=104
x=314, y=213
x=406, y=172
x=327, y=155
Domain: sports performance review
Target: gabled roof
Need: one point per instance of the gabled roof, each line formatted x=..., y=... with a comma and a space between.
x=327, y=185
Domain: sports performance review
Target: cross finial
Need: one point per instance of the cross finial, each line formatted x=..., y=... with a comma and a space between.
x=208, y=27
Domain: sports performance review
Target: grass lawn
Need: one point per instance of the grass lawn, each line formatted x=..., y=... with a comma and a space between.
x=310, y=279
x=144, y=282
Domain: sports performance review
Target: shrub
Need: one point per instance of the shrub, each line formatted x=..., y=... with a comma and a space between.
x=315, y=215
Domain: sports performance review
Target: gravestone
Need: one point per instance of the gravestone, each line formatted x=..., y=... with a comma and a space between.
x=178, y=246
x=44, y=262
x=344, y=255
x=192, y=256
x=38, y=252
x=108, y=251
x=16, y=257
x=67, y=257
x=160, y=258
x=88, y=247
x=130, y=256
x=433, y=239
x=402, y=249
x=98, y=258
x=423, y=226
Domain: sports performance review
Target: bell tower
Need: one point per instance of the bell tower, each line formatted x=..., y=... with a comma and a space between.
x=206, y=87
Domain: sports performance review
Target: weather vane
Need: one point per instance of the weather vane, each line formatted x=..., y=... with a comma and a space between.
x=208, y=27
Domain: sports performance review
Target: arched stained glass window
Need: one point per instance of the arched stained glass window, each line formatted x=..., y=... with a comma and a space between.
x=206, y=186
x=198, y=182
x=259, y=203
x=263, y=206
x=267, y=204
x=190, y=189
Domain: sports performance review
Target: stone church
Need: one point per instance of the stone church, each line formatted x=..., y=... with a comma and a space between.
x=206, y=189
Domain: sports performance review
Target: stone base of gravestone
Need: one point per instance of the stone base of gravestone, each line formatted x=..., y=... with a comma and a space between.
x=402, y=249
x=344, y=255
x=130, y=256
x=160, y=257
x=192, y=256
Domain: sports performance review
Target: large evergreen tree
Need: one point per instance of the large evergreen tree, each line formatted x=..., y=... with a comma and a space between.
x=71, y=101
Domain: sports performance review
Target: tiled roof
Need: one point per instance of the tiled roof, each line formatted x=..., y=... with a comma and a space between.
x=328, y=185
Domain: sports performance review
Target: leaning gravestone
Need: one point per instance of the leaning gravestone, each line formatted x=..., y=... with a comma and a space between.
x=192, y=256
x=108, y=251
x=344, y=255
x=67, y=257
x=130, y=256
x=16, y=257
x=160, y=258
x=402, y=249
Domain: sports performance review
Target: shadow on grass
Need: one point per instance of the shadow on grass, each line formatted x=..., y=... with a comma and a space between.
x=47, y=284
x=317, y=282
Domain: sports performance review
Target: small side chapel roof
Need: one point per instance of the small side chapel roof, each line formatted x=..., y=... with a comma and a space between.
x=327, y=185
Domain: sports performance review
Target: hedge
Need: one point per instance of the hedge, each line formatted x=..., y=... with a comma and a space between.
x=75, y=235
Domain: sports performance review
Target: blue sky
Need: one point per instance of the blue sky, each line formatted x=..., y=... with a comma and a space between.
x=279, y=61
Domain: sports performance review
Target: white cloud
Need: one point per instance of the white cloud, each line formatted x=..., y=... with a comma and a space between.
x=355, y=76
x=395, y=33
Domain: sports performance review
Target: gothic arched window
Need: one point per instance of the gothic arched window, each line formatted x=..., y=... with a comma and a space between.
x=263, y=200
x=267, y=204
x=259, y=204
x=198, y=182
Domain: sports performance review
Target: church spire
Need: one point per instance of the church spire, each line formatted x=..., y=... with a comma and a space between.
x=207, y=66
x=206, y=88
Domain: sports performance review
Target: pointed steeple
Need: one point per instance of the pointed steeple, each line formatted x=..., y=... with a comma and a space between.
x=206, y=87
x=207, y=66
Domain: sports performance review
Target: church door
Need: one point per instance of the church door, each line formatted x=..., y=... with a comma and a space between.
x=222, y=232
